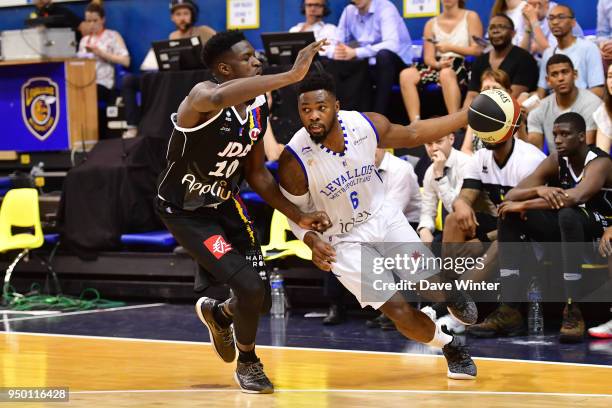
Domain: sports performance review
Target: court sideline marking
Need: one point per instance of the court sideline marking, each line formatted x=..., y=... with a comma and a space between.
x=361, y=391
x=82, y=312
x=392, y=353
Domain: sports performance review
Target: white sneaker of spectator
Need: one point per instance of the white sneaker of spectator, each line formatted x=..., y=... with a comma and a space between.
x=603, y=331
x=452, y=325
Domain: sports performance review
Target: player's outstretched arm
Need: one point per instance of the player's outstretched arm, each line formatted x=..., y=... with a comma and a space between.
x=209, y=97
x=417, y=133
x=262, y=182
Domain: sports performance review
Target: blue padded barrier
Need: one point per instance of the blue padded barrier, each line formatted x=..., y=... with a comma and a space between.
x=251, y=197
x=162, y=239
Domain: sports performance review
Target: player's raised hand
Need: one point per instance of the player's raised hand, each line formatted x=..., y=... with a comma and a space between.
x=318, y=221
x=305, y=57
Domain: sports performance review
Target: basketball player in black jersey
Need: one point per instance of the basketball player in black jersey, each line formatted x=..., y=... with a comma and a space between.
x=216, y=142
x=567, y=199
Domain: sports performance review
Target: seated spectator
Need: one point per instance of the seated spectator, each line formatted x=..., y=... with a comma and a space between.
x=442, y=182
x=315, y=11
x=514, y=10
x=374, y=30
x=584, y=54
x=490, y=79
x=520, y=66
x=604, y=29
x=538, y=37
x=566, y=97
x=401, y=184
x=603, y=117
x=448, y=40
x=494, y=170
x=576, y=210
x=184, y=15
x=108, y=49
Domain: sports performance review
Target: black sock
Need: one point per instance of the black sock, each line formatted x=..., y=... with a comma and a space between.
x=247, y=356
x=221, y=317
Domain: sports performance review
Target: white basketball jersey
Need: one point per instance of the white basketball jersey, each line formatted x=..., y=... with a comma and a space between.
x=345, y=185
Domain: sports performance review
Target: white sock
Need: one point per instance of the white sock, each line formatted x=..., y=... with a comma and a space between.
x=440, y=339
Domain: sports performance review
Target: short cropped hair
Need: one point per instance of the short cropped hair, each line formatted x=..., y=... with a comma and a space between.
x=316, y=81
x=502, y=15
x=219, y=44
x=559, y=59
x=574, y=119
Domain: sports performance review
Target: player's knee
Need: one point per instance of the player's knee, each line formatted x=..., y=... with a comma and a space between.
x=248, y=288
x=409, y=76
x=384, y=56
x=447, y=76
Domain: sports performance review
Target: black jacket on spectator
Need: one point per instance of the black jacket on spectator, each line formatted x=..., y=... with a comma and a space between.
x=519, y=64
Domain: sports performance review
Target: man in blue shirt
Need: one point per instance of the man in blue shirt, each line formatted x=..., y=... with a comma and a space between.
x=584, y=54
x=604, y=29
x=374, y=30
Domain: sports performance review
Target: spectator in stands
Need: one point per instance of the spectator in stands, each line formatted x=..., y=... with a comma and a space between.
x=538, y=37
x=184, y=15
x=442, y=182
x=575, y=211
x=494, y=171
x=315, y=11
x=448, y=40
x=604, y=29
x=566, y=97
x=603, y=117
x=108, y=49
x=374, y=30
x=584, y=54
x=490, y=79
x=514, y=10
x=520, y=66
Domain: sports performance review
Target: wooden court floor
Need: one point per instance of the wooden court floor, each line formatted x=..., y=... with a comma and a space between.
x=106, y=372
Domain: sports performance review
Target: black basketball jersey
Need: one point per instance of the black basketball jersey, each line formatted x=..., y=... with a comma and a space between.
x=600, y=202
x=206, y=163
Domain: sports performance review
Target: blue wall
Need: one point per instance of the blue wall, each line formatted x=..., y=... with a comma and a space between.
x=142, y=21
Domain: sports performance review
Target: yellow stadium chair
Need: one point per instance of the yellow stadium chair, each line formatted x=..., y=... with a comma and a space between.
x=19, y=210
x=279, y=247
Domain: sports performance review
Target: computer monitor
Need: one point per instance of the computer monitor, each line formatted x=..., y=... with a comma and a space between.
x=178, y=55
x=283, y=48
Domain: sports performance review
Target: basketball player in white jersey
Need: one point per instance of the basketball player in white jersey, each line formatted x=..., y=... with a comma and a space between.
x=329, y=164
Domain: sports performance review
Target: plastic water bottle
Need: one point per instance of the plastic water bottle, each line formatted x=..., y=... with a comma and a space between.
x=535, y=317
x=278, y=295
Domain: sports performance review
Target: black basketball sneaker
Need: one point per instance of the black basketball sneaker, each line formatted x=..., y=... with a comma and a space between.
x=221, y=338
x=460, y=364
x=461, y=306
x=252, y=379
